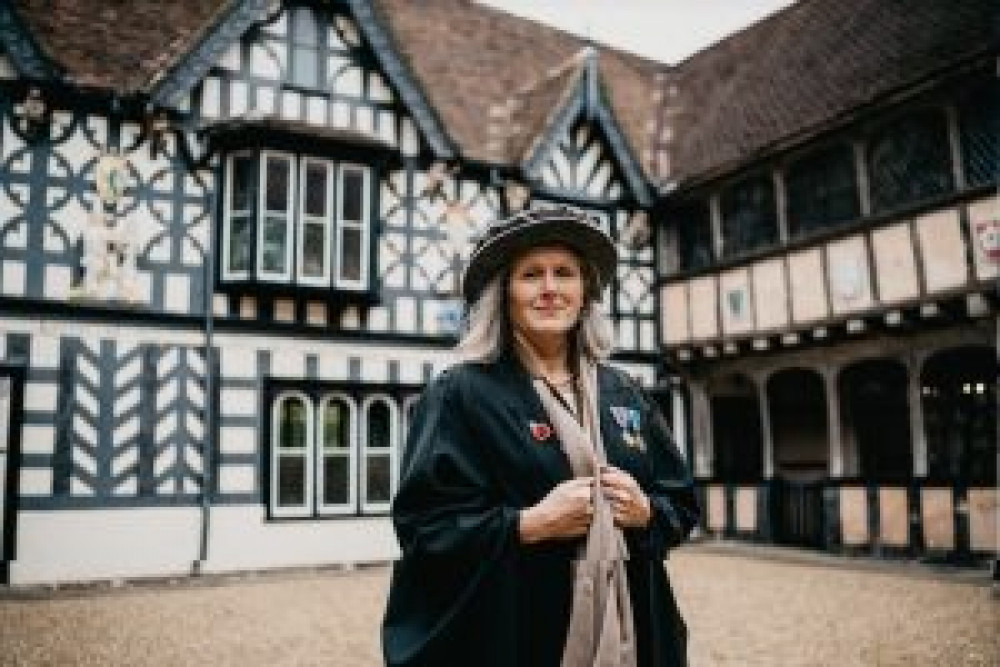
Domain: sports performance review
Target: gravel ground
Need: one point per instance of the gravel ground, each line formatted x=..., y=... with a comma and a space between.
x=740, y=610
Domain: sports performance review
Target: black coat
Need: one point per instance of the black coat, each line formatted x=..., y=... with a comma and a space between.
x=466, y=591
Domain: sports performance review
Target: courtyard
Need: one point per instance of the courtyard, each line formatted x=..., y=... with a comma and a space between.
x=744, y=606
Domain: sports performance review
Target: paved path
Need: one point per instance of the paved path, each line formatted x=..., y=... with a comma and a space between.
x=741, y=611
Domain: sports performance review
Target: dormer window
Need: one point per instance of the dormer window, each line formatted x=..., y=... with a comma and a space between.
x=297, y=220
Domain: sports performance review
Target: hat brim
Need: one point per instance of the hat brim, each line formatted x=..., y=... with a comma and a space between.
x=590, y=243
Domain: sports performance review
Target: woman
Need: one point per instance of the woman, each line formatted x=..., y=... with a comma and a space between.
x=540, y=488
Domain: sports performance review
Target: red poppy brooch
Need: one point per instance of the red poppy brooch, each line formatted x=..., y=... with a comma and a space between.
x=540, y=431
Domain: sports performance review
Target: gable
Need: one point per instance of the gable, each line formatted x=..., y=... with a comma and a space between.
x=580, y=164
x=310, y=65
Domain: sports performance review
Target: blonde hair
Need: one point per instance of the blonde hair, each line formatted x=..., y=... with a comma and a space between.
x=488, y=331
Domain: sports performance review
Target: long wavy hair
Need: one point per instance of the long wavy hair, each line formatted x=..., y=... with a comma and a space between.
x=488, y=331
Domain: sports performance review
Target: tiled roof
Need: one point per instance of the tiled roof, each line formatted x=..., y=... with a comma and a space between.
x=474, y=61
x=803, y=68
x=117, y=44
x=495, y=79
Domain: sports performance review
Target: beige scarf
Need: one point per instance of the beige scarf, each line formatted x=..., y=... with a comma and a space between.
x=601, y=633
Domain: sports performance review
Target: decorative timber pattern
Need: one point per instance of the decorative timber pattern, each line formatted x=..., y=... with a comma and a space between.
x=166, y=208
x=131, y=420
x=340, y=87
x=578, y=165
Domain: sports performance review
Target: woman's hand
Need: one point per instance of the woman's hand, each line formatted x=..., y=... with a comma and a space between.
x=566, y=511
x=629, y=504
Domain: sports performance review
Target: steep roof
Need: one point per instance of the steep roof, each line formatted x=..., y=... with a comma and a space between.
x=477, y=63
x=116, y=44
x=494, y=78
x=803, y=68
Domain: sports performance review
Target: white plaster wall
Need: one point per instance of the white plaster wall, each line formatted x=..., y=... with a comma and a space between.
x=242, y=539
x=805, y=271
x=896, y=267
x=704, y=308
x=82, y=545
x=770, y=294
x=943, y=250
x=674, y=311
x=849, y=275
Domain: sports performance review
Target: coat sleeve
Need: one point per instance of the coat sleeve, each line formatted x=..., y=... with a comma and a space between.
x=457, y=539
x=671, y=489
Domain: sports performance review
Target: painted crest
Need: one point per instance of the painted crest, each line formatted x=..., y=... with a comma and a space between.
x=110, y=177
x=988, y=235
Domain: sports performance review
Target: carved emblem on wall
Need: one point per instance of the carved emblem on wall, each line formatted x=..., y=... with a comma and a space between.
x=988, y=235
x=108, y=260
x=736, y=300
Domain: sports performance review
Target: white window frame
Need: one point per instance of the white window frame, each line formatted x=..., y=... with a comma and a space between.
x=364, y=225
x=366, y=506
x=227, y=218
x=409, y=403
x=262, y=214
x=307, y=507
x=352, y=456
x=323, y=280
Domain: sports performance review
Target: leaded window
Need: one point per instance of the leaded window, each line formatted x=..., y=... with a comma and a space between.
x=909, y=161
x=979, y=128
x=295, y=219
x=822, y=190
x=749, y=215
x=291, y=460
x=694, y=235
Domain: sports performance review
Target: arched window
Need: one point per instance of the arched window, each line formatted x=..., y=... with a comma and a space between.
x=379, y=438
x=336, y=455
x=291, y=463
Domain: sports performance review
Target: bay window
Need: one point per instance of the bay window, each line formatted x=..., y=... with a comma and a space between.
x=296, y=220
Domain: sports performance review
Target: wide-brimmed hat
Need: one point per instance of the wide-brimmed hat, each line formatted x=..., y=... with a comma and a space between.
x=506, y=239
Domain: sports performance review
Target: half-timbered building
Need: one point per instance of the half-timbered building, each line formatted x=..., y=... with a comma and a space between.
x=232, y=232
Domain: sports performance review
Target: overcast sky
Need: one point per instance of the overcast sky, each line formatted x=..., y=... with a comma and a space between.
x=664, y=30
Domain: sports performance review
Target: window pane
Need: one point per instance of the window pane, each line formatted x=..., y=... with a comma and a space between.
x=277, y=184
x=315, y=203
x=336, y=426
x=305, y=66
x=979, y=124
x=292, y=426
x=240, y=243
x=336, y=479
x=379, y=426
x=378, y=471
x=291, y=480
x=313, y=251
x=350, y=254
x=305, y=28
x=352, y=193
x=909, y=161
x=749, y=216
x=244, y=183
x=822, y=190
x=275, y=242
x=694, y=232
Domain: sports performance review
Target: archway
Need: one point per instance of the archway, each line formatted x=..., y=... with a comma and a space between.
x=958, y=388
x=797, y=409
x=736, y=430
x=797, y=406
x=876, y=420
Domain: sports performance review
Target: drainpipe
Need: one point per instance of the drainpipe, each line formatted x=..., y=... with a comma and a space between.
x=208, y=446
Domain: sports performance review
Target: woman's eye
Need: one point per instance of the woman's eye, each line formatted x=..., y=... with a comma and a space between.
x=566, y=272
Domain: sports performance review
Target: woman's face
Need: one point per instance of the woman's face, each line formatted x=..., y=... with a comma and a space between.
x=546, y=293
